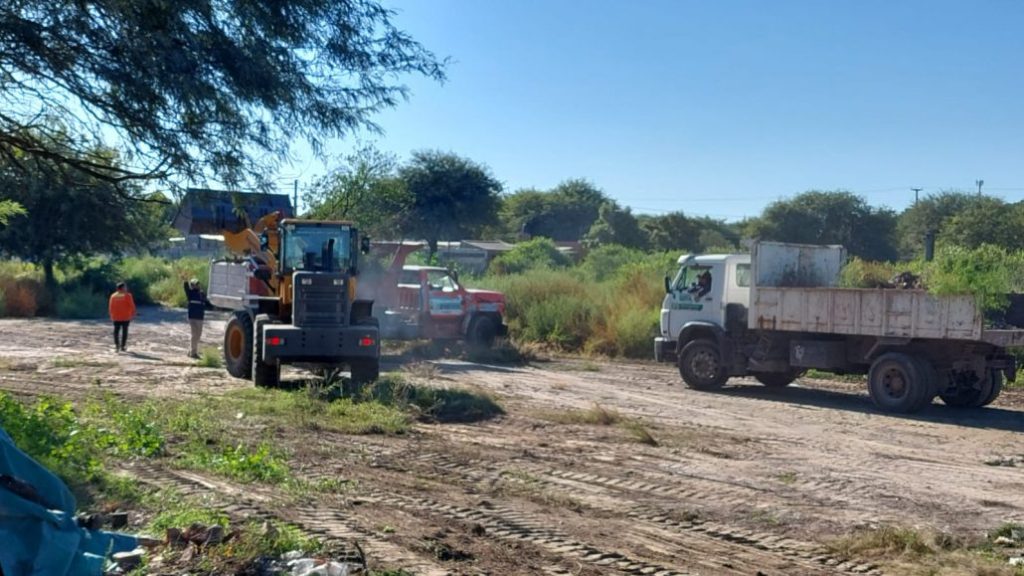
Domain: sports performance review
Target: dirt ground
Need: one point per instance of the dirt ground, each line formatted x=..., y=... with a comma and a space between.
x=744, y=481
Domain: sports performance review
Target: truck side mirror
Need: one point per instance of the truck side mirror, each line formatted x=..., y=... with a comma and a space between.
x=668, y=287
x=364, y=245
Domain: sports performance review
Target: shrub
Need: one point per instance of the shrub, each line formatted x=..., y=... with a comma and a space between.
x=530, y=255
x=23, y=297
x=168, y=290
x=606, y=260
x=858, y=273
x=81, y=302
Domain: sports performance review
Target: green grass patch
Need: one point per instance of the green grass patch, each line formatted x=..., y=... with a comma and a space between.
x=430, y=403
x=210, y=358
x=308, y=410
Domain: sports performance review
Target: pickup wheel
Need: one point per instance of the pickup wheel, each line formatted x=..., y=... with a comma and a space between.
x=264, y=374
x=778, y=379
x=482, y=331
x=700, y=365
x=898, y=383
x=238, y=346
x=995, y=380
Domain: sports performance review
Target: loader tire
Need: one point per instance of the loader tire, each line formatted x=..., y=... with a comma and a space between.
x=264, y=374
x=238, y=346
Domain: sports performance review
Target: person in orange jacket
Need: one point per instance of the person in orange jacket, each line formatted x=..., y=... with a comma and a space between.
x=122, y=312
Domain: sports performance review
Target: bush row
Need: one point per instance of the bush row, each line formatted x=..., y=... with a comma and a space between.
x=83, y=288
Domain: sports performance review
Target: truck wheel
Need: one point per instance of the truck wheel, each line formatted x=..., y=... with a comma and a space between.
x=364, y=370
x=990, y=389
x=985, y=394
x=482, y=331
x=700, y=365
x=778, y=379
x=930, y=378
x=238, y=346
x=896, y=383
x=264, y=374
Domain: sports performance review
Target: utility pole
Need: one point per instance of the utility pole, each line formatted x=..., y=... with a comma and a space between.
x=980, y=183
x=916, y=190
x=295, y=200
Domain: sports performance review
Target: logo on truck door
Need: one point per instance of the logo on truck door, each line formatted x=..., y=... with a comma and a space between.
x=445, y=305
x=687, y=306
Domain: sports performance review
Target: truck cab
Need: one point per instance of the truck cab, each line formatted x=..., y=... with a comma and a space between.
x=708, y=293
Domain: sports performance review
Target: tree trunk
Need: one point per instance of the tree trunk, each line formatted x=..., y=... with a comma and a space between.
x=48, y=278
x=432, y=245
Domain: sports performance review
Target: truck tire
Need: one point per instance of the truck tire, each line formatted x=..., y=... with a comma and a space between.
x=990, y=389
x=482, y=331
x=984, y=395
x=238, y=346
x=778, y=379
x=930, y=377
x=364, y=371
x=700, y=365
x=897, y=382
x=264, y=374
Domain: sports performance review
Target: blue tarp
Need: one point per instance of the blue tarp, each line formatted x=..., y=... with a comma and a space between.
x=38, y=532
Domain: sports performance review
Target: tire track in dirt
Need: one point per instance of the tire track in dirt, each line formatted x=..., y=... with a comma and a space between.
x=313, y=518
x=744, y=547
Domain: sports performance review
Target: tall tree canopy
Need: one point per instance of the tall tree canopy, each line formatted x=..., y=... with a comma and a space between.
x=68, y=214
x=452, y=197
x=195, y=88
x=677, y=231
x=829, y=218
x=961, y=218
x=564, y=213
x=616, y=225
x=364, y=188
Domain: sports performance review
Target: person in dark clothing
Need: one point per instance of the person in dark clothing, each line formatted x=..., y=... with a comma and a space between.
x=197, y=304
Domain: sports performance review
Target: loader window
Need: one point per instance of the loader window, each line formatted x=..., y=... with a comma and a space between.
x=319, y=248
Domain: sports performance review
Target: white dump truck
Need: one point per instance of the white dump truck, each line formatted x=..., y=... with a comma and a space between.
x=776, y=312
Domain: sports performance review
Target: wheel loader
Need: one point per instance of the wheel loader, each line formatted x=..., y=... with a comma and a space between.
x=291, y=285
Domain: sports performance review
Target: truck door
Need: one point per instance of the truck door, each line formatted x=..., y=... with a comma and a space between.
x=446, y=305
x=696, y=295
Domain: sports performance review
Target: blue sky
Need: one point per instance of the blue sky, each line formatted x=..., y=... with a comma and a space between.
x=718, y=108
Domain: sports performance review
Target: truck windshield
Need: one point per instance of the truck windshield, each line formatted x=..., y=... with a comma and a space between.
x=693, y=282
x=317, y=248
x=440, y=280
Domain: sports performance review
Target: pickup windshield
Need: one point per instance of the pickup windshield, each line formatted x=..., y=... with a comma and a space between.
x=324, y=248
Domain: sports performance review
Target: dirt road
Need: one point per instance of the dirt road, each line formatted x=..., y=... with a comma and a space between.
x=745, y=481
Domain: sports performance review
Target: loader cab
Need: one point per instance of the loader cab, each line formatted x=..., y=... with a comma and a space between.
x=311, y=246
x=702, y=289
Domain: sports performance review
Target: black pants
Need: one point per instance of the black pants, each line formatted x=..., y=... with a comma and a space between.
x=122, y=329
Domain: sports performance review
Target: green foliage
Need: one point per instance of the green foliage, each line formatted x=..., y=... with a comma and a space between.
x=313, y=411
x=616, y=225
x=829, y=218
x=259, y=463
x=564, y=213
x=203, y=88
x=604, y=262
x=988, y=272
x=530, y=255
x=81, y=302
x=859, y=273
x=8, y=209
x=69, y=213
x=50, y=432
x=677, y=232
x=210, y=358
x=452, y=197
x=365, y=189
x=181, y=515
x=124, y=429
x=440, y=404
